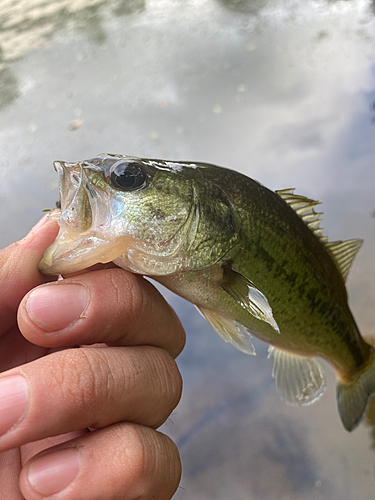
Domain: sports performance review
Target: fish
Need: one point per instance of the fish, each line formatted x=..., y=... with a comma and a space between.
x=253, y=261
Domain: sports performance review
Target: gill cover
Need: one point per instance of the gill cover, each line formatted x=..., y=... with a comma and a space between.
x=151, y=217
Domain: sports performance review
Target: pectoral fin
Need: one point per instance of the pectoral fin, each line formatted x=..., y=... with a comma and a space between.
x=229, y=330
x=248, y=296
x=299, y=380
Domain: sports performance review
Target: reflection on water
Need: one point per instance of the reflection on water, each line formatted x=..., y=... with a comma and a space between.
x=8, y=83
x=281, y=91
x=26, y=26
x=124, y=7
x=244, y=6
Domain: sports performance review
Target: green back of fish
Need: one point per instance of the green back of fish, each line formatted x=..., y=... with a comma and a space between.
x=278, y=252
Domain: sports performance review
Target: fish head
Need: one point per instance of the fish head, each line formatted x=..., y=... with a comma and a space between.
x=138, y=213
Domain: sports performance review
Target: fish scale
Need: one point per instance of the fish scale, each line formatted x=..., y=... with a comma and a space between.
x=254, y=262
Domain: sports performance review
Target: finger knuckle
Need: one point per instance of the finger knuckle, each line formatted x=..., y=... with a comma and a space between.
x=155, y=465
x=126, y=290
x=128, y=302
x=168, y=378
x=9, y=262
x=81, y=377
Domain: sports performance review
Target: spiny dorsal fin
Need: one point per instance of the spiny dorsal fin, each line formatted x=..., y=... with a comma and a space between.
x=305, y=209
x=342, y=252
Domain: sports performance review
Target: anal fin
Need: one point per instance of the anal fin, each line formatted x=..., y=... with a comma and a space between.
x=299, y=379
x=229, y=330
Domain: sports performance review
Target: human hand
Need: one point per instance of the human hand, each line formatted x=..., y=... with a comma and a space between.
x=121, y=385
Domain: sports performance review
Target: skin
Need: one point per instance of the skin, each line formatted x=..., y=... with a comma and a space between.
x=122, y=385
x=221, y=218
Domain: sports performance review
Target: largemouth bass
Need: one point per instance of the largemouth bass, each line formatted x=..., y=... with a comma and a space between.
x=252, y=260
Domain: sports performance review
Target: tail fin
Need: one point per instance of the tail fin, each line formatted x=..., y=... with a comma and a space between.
x=353, y=398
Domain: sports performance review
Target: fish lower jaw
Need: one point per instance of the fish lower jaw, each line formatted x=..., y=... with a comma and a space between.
x=72, y=252
x=54, y=214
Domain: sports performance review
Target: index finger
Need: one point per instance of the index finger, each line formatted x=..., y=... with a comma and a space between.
x=19, y=269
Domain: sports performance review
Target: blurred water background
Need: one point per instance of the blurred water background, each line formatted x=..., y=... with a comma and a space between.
x=281, y=90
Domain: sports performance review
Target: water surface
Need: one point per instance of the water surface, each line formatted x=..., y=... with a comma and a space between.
x=283, y=91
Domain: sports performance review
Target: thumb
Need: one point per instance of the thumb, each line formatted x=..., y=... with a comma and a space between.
x=19, y=271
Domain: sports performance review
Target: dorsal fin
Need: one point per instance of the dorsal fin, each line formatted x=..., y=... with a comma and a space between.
x=305, y=209
x=342, y=252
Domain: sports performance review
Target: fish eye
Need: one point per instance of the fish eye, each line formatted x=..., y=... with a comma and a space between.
x=128, y=176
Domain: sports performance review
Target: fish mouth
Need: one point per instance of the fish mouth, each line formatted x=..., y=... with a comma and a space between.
x=76, y=213
x=68, y=254
x=84, y=237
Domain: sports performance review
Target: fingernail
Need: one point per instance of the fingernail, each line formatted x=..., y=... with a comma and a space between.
x=54, y=472
x=56, y=306
x=13, y=400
